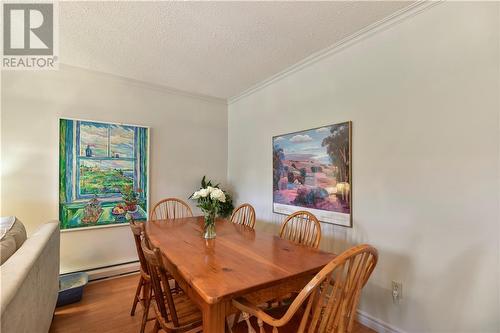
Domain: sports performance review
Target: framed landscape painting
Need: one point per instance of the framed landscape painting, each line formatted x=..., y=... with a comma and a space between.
x=312, y=172
x=103, y=173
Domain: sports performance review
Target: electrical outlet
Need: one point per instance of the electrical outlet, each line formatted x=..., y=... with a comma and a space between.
x=397, y=291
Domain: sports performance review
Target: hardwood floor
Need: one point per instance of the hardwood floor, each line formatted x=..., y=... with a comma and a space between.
x=105, y=307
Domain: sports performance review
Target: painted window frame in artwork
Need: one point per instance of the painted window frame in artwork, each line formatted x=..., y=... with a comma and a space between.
x=79, y=157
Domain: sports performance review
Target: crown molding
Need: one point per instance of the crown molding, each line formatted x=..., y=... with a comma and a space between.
x=374, y=28
x=149, y=85
x=379, y=26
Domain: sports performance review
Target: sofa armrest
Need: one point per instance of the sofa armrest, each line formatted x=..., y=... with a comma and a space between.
x=30, y=283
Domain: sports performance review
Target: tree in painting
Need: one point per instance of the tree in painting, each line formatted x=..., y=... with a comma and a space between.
x=337, y=147
x=278, y=156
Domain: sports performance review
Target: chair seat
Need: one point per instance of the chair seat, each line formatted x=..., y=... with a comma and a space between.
x=290, y=327
x=187, y=312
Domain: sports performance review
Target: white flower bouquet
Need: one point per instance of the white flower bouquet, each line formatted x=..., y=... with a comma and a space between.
x=210, y=200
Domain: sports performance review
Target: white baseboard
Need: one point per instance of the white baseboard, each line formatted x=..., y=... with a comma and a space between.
x=376, y=324
x=108, y=272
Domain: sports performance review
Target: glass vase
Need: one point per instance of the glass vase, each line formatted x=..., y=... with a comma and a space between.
x=209, y=226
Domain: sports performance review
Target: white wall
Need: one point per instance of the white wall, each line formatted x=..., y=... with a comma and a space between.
x=188, y=140
x=423, y=98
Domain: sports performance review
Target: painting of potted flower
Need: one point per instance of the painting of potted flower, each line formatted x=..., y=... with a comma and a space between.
x=131, y=198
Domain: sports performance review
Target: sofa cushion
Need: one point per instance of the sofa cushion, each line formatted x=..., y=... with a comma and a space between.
x=6, y=222
x=14, y=235
x=18, y=232
x=7, y=248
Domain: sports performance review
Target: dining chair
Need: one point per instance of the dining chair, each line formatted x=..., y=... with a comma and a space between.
x=170, y=208
x=302, y=228
x=175, y=312
x=328, y=302
x=245, y=215
x=144, y=284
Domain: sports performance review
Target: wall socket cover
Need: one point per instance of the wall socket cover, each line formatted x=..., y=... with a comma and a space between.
x=397, y=291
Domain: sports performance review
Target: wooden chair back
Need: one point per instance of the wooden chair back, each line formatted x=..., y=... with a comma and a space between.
x=137, y=230
x=245, y=215
x=333, y=294
x=160, y=284
x=302, y=228
x=170, y=208
x=329, y=301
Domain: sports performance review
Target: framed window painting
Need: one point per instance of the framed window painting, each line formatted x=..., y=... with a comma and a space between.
x=103, y=174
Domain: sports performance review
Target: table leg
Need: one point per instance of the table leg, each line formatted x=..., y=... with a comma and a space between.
x=214, y=316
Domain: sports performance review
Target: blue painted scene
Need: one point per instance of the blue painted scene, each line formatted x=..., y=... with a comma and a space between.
x=103, y=173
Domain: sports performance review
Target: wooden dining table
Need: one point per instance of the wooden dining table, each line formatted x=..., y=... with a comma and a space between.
x=239, y=261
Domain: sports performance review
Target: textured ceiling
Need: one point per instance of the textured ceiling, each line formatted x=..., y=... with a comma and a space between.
x=212, y=48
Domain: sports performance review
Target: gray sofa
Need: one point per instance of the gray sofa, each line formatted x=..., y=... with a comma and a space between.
x=30, y=283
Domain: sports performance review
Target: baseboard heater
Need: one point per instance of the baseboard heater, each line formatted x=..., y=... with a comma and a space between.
x=105, y=272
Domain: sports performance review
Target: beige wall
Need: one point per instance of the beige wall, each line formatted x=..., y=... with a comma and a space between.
x=423, y=98
x=188, y=140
